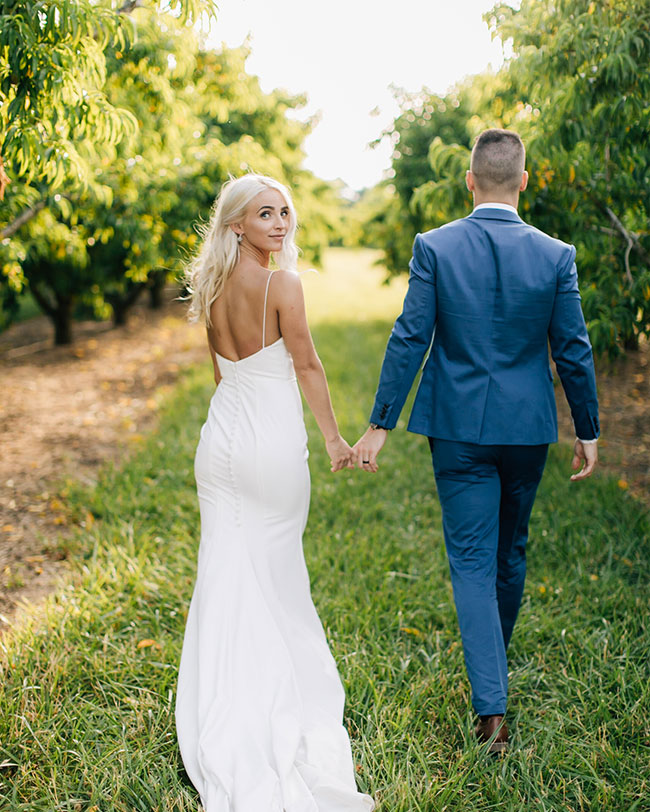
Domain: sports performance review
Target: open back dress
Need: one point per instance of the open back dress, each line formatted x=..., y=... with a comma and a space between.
x=259, y=707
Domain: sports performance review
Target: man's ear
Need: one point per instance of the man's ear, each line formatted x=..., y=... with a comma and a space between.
x=469, y=181
x=524, y=181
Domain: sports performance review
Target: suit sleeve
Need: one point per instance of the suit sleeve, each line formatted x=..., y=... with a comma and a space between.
x=571, y=351
x=410, y=338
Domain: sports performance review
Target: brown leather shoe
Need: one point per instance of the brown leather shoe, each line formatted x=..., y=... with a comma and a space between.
x=493, y=730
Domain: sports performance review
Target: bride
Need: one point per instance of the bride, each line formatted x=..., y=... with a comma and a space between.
x=259, y=706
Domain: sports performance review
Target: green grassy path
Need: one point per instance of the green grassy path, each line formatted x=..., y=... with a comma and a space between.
x=87, y=689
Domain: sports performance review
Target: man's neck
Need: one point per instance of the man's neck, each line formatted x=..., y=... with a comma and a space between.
x=480, y=199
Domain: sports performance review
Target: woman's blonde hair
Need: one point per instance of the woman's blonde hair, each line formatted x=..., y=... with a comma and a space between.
x=215, y=260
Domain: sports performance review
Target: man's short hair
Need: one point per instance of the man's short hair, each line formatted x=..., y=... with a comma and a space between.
x=498, y=160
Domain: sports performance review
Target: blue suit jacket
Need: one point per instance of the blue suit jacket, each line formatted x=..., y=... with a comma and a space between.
x=486, y=294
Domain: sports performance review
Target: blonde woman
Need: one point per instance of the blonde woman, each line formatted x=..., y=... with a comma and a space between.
x=259, y=707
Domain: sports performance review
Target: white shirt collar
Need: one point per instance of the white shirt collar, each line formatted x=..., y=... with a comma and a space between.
x=504, y=206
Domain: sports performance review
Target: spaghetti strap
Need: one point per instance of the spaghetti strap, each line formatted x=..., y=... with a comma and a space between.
x=266, y=296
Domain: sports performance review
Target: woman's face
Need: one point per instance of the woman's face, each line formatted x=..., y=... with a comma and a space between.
x=266, y=222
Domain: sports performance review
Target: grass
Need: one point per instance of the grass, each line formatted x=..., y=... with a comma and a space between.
x=352, y=287
x=87, y=687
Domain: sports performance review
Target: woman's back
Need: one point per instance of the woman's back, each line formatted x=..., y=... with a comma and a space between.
x=243, y=319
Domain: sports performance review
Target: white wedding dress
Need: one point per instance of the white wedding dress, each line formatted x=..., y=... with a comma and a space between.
x=259, y=706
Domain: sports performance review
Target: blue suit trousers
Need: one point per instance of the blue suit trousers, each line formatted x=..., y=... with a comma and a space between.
x=487, y=494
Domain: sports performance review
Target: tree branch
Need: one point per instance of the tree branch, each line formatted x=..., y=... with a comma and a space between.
x=25, y=217
x=129, y=6
x=626, y=259
x=628, y=236
x=42, y=301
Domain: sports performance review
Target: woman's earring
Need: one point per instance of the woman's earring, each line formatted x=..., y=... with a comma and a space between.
x=240, y=237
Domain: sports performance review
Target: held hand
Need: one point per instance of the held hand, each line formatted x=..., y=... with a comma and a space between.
x=587, y=453
x=340, y=454
x=368, y=447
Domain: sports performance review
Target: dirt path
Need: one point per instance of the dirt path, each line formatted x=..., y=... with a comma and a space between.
x=64, y=411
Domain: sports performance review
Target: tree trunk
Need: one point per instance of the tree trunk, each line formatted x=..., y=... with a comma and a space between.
x=157, y=281
x=58, y=307
x=119, y=313
x=62, y=320
x=122, y=303
x=631, y=343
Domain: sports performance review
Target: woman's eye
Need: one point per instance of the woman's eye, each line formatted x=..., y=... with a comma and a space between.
x=284, y=213
x=264, y=214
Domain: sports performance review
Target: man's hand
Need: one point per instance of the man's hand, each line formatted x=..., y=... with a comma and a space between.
x=586, y=453
x=368, y=447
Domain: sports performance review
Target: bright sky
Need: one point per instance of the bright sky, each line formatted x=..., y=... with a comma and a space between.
x=345, y=54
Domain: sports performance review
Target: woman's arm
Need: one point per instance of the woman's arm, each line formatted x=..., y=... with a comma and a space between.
x=290, y=305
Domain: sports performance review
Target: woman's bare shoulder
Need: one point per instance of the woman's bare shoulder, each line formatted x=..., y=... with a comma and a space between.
x=287, y=282
x=287, y=277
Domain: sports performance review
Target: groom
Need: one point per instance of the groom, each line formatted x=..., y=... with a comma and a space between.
x=486, y=296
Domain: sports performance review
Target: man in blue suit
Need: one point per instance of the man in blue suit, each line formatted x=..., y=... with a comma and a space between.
x=487, y=294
